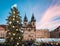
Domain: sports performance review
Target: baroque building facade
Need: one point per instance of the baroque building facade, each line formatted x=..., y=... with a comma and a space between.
x=2, y=31
x=55, y=33
x=42, y=33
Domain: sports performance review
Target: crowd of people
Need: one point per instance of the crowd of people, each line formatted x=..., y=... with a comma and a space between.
x=48, y=44
x=30, y=43
x=41, y=44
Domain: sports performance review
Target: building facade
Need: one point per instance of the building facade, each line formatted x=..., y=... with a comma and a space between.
x=55, y=33
x=2, y=31
x=42, y=33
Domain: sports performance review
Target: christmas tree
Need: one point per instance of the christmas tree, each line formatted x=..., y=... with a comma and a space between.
x=14, y=25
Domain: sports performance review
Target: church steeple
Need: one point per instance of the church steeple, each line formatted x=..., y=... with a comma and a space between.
x=25, y=21
x=33, y=21
x=33, y=18
x=25, y=18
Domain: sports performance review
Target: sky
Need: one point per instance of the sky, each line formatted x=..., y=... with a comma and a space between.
x=46, y=12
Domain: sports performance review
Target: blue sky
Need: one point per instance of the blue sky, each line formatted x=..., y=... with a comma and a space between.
x=46, y=12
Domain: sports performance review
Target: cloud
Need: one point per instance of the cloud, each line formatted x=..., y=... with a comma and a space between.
x=50, y=14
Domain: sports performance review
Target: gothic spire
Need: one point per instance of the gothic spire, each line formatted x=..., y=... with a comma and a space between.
x=25, y=18
x=33, y=18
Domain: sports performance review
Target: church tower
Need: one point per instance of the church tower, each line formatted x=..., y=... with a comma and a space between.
x=33, y=22
x=29, y=28
x=25, y=21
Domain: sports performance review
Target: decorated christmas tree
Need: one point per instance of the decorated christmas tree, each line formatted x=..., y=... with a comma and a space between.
x=14, y=25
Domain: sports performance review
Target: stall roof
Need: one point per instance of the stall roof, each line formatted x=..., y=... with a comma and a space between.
x=47, y=39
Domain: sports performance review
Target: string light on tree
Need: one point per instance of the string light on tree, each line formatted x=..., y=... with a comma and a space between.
x=10, y=22
x=19, y=37
x=17, y=43
x=13, y=26
x=13, y=18
x=13, y=34
x=11, y=38
x=16, y=29
x=17, y=21
x=22, y=31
